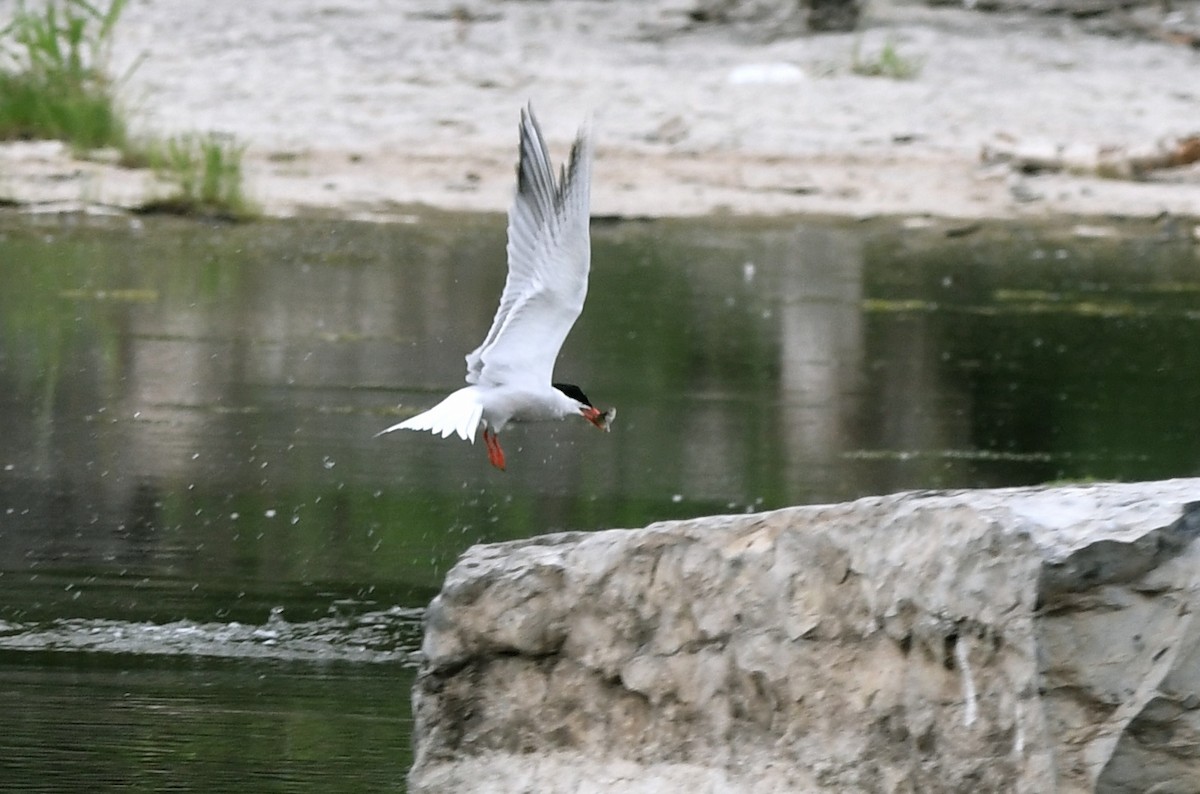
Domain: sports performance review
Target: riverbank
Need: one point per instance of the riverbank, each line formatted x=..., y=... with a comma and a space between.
x=363, y=108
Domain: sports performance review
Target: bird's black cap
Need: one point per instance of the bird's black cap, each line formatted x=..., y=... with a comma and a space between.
x=574, y=392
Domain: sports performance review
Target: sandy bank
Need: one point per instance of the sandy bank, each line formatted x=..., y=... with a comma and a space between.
x=360, y=107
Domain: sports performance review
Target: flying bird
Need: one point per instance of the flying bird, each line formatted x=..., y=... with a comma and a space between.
x=510, y=375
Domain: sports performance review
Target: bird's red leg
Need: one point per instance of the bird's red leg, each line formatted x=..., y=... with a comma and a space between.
x=495, y=454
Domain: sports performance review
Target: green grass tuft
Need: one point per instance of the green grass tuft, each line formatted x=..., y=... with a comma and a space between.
x=54, y=84
x=888, y=62
x=206, y=172
x=53, y=75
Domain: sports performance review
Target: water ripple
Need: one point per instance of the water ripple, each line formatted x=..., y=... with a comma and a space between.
x=391, y=635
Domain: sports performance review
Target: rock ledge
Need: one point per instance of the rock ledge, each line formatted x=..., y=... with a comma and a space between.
x=1032, y=640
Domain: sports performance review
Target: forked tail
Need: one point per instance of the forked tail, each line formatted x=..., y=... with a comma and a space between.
x=459, y=413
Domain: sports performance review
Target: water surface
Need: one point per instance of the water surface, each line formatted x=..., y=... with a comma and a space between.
x=211, y=572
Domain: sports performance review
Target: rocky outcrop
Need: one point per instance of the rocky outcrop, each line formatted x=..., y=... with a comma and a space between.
x=1028, y=640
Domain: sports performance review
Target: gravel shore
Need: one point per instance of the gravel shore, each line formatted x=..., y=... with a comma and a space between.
x=363, y=107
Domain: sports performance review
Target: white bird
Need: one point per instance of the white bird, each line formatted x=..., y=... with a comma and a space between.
x=549, y=255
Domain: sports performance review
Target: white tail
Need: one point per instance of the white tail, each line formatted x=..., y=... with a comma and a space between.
x=458, y=413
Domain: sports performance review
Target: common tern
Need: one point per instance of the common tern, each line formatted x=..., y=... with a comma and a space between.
x=510, y=375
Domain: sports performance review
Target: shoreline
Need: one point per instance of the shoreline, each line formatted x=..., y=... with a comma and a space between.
x=361, y=109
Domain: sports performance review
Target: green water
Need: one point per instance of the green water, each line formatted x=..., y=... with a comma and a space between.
x=211, y=572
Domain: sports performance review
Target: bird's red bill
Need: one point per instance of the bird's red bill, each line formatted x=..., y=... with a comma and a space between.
x=601, y=419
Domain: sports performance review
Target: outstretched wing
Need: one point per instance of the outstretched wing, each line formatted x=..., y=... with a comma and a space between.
x=549, y=255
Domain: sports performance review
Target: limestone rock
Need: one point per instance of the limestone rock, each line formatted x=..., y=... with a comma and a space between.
x=1029, y=640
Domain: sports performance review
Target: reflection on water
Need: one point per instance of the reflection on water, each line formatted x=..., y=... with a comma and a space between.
x=102, y=722
x=208, y=560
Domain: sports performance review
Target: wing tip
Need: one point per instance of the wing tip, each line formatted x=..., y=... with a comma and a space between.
x=531, y=129
x=536, y=183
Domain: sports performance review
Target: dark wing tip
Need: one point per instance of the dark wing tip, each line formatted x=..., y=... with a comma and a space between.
x=535, y=176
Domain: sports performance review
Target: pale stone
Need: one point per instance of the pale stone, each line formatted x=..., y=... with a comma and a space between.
x=1028, y=640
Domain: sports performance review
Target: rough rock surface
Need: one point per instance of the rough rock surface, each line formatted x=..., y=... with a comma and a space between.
x=1030, y=640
